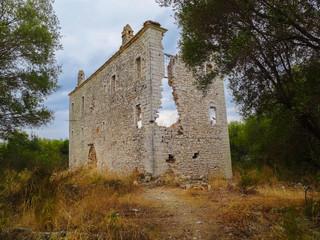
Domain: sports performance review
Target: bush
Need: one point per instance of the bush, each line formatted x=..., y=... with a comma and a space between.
x=32, y=191
x=275, y=140
x=294, y=227
x=80, y=202
x=249, y=179
x=21, y=151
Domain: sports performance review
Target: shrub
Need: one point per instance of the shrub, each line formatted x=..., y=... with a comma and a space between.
x=249, y=180
x=293, y=225
x=21, y=151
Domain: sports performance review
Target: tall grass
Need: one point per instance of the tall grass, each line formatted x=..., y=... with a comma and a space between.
x=81, y=202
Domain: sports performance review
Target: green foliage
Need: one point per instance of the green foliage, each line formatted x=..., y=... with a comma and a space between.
x=31, y=190
x=20, y=151
x=26, y=167
x=276, y=141
x=312, y=210
x=249, y=179
x=238, y=142
x=29, y=37
x=293, y=225
x=268, y=50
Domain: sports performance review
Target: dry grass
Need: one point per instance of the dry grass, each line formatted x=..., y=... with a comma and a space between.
x=263, y=214
x=85, y=203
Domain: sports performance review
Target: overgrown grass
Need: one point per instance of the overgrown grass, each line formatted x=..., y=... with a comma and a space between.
x=271, y=210
x=82, y=202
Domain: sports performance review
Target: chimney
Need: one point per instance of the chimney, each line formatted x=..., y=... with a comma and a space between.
x=80, y=77
x=127, y=34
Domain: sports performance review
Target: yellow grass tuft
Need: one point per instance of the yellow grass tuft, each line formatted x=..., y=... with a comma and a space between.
x=84, y=203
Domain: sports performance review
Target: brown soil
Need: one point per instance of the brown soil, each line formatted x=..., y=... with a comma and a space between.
x=219, y=214
x=178, y=217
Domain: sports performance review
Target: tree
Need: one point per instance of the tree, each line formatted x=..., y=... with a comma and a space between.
x=268, y=50
x=29, y=37
x=21, y=151
x=239, y=147
x=275, y=141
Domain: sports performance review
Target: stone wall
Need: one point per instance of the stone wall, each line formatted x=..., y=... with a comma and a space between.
x=113, y=113
x=195, y=146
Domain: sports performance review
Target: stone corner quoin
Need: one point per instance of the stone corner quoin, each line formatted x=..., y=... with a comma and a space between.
x=113, y=114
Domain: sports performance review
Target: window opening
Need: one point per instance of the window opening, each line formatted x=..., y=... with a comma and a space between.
x=103, y=126
x=138, y=64
x=104, y=88
x=168, y=113
x=208, y=68
x=82, y=103
x=213, y=116
x=92, y=156
x=195, y=155
x=170, y=159
x=113, y=84
x=138, y=116
x=72, y=107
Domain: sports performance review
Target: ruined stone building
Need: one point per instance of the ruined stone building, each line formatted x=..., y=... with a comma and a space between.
x=113, y=114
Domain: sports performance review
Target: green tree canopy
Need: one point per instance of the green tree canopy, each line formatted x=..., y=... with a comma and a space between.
x=269, y=51
x=29, y=37
x=21, y=151
x=275, y=141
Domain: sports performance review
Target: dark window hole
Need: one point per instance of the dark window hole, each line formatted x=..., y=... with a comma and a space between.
x=170, y=159
x=180, y=131
x=195, y=155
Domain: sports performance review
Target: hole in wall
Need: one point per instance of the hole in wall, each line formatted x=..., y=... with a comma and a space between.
x=113, y=84
x=170, y=159
x=195, y=155
x=213, y=115
x=138, y=66
x=139, y=116
x=82, y=103
x=103, y=128
x=168, y=113
x=92, y=156
x=208, y=68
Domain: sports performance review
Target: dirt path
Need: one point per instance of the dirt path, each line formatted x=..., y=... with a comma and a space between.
x=223, y=213
x=178, y=216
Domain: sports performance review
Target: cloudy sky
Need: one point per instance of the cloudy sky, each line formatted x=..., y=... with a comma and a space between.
x=91, y=35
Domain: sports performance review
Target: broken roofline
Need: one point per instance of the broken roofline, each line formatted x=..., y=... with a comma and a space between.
x=146, y=25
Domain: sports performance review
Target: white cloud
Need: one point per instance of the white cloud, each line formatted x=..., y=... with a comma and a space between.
x=231, y=110
x=234, y=118
x=59, y=128
x=167, y=118
x=232, y=114
x=57, y=96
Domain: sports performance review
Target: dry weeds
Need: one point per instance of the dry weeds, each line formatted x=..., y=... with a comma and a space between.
x=87, y=205
x=91, y=205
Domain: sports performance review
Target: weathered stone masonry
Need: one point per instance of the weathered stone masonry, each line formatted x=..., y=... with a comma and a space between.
x=113, y=113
